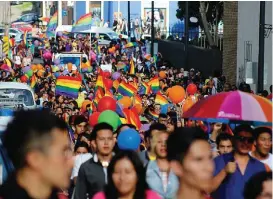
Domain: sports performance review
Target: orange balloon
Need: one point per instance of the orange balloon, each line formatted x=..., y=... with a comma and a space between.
x=84, y=104
x=162, y=74
x=138, y=108
x=177, y=94
x=126, y=102
x=69, y=66
x=40, y=67
x=34, y=67
x=188, y=104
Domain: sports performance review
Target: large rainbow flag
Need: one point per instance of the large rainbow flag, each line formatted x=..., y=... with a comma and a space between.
x=126, y=89
x=84, y=23
x=53, y=22
x=68, y=86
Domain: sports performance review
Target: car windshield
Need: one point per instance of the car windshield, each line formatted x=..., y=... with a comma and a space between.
x=12, y=96
x=113, y=35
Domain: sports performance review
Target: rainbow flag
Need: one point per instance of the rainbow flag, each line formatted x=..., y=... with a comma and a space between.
x=153, y=115
x=132, y=67
x=160, y=99
x=65, y=35
x=68, y=86
x=100, y=82
x=53, y=22
x=99, y=93
x=126, y=89
x=137, y=100
x=84, y=23
x=144, y=89
x=33, y=81
x=11, y=42
x=154, y=83
x=108, y=93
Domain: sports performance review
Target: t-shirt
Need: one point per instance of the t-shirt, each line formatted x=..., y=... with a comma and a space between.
x=79, y=160
x=149, y=195
x=268, y=161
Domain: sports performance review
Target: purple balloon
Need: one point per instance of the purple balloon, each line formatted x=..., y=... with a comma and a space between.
x=36, y=43
x=57, y=61
x=65, y=72
x=26, y=69
x=116, y=75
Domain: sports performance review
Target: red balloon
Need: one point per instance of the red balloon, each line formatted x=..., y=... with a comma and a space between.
x=191, y=89
x=108, y=83
x=107, y=103
x=23, y=79
x=93, y=119
x=106, y=74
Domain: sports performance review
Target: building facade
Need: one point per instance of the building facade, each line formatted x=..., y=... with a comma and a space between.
x=248, y=43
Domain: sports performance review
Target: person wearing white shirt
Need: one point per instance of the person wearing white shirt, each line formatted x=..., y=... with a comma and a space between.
x=263, y=145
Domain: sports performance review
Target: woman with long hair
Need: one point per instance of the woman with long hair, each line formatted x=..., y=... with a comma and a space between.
x=126, y=179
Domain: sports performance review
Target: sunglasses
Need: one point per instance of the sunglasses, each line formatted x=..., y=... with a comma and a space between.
x=243, y=139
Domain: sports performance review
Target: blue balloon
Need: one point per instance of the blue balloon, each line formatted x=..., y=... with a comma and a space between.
x=129, y=139
x=164, y=108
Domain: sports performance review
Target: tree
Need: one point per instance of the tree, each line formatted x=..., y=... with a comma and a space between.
x=208, y=13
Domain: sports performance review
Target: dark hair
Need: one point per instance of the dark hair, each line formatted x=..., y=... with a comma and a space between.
x=154, y=126
x=181, y=139
x=243, y=127
x=79, y=119
x=123, y=125
x=29, y=130
x=254, y=185
x=223, y=137
x=163, y=115
x=111, y=191
x=258, y=131
x=81, y=144
x=98, y=127
x=270, y=88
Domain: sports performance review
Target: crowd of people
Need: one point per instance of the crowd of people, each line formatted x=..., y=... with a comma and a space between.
x=65, y=150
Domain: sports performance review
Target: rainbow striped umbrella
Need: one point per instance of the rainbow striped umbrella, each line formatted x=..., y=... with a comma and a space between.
x=234, y=107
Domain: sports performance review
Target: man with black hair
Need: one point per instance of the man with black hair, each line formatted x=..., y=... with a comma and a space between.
x=149, y=139
x=93, y=174
x=233, y=170
x=163, y=119
x=263, y=146
x=41, y=155
x=224, y=143
x=80, y=123
x=259, y=186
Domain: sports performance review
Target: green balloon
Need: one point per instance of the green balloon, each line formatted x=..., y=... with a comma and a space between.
x=109, y=117
x=30, y=73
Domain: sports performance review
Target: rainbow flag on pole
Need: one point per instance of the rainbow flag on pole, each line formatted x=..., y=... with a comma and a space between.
x=53, y=22
x=160, y=99
x=154, y=83
x=144, y=89
x=153, y=115
x=68, y=86
x=33, y=81
x=126, y=89
x=84, y=23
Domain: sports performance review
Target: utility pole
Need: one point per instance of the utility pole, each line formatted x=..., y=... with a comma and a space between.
x=129, y=21
x=152, y=30
x=261, y=48
x=7, y=17
x=186, y=33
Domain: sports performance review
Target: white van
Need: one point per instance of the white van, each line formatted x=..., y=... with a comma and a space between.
x=16, y=95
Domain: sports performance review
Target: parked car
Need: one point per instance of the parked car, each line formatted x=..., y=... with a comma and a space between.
x=30, y=18
x=12, y=32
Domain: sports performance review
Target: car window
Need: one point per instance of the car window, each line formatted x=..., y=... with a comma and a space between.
x=13, y=31
x=24, y=17
x=104, y=36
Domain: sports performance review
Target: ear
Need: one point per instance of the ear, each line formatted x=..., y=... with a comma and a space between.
x=35, y=159
x=176, y=168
